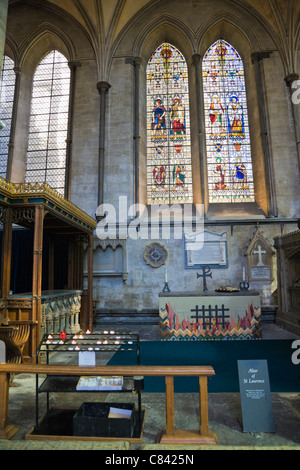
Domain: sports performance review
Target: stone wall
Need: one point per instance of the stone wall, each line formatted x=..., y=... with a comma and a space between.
x=192, y=29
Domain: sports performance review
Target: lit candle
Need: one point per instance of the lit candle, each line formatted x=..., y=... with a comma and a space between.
x=244, y=275
x=87, y=332
x=166, y=275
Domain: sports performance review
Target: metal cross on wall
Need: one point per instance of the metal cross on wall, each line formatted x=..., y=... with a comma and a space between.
x=206, y=272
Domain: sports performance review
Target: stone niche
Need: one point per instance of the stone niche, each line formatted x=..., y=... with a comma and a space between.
x=288, y=262
x=260, y=259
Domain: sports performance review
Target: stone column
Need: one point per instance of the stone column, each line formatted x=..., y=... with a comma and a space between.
x=200, y=123
x=136, y=63
x=257, y=58
x=73, y=67
x=11, y=144
x=292, y=81
x=103, y=88
x=3, y=20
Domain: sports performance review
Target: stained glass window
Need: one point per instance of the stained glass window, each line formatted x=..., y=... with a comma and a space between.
x=230, y=175
x=7, y=92
x=46, y=155
x=169, y=171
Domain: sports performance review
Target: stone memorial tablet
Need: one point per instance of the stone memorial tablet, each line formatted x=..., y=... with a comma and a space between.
x=256, y=399
x=211, y=251
x=260, y=273
x=259, y=259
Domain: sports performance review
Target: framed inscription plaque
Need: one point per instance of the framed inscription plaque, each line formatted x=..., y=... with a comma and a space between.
x=212, y=251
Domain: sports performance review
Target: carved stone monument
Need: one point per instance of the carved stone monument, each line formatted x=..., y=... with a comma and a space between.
x=260, y=258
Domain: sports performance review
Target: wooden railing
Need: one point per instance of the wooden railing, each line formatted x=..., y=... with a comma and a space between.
x=170, y=435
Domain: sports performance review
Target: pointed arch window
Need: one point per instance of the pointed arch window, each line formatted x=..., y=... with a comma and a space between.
x=229, y=163
x=169, y=170
x=7, y=92
x=47, y=146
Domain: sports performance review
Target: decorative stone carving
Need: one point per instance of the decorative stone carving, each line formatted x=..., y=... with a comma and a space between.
x=61, y=312
x=155, y=255
x=259, y=257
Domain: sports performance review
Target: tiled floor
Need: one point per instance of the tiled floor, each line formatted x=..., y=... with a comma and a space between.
x=224, y=409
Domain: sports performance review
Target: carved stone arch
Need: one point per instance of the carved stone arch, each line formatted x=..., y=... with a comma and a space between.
x=42, y=40
x=11, y=48
x=230, y=27
x=164, y=29
x=297, y=43
x=234, y=30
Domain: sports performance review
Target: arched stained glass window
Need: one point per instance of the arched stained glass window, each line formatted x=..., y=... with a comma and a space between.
x=46, y=155
x=169, y=171
x=230, y=176
x=7, y=91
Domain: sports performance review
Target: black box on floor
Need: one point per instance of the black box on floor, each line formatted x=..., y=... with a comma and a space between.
x=94, y=419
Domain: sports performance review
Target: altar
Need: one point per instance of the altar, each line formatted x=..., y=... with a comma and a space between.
x=209, y=315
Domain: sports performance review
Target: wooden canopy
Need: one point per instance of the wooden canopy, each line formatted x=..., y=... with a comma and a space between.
x=42, y=209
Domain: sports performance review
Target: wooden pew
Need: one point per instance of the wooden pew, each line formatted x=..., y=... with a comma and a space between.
x=170, y=435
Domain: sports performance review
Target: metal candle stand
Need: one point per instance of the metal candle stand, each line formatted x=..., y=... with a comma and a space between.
x=244, y=285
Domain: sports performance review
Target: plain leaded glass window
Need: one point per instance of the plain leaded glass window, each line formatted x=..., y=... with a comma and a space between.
x=230, y=175
x=7, y=92
x=46, y=155
x=169, y=169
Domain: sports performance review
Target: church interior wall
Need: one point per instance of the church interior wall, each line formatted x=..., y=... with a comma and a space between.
x=192, y=28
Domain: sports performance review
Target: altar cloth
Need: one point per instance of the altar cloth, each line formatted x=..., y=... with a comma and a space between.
x=210, y=315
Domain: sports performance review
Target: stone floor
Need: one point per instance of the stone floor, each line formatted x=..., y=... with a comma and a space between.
x=224, y=409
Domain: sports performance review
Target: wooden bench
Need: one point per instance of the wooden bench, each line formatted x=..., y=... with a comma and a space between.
x=169, y=436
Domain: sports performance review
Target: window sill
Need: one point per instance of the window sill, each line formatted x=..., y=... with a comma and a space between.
x=238, y=211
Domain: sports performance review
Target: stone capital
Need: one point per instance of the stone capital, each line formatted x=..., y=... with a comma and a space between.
x=196, y=59
x=74, y=64
x=133, y=60
x=103, y=87
x=291, y=78
x=259, y=56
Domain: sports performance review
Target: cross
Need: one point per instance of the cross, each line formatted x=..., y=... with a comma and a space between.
x=260, y=252
x=205, y=273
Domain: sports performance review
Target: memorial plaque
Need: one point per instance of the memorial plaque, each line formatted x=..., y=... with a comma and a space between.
x=2, y=353
x=212, y=251
x=261, y=273
x=256, y=399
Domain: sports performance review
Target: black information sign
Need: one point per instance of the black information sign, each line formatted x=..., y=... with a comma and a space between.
x=256, y=398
